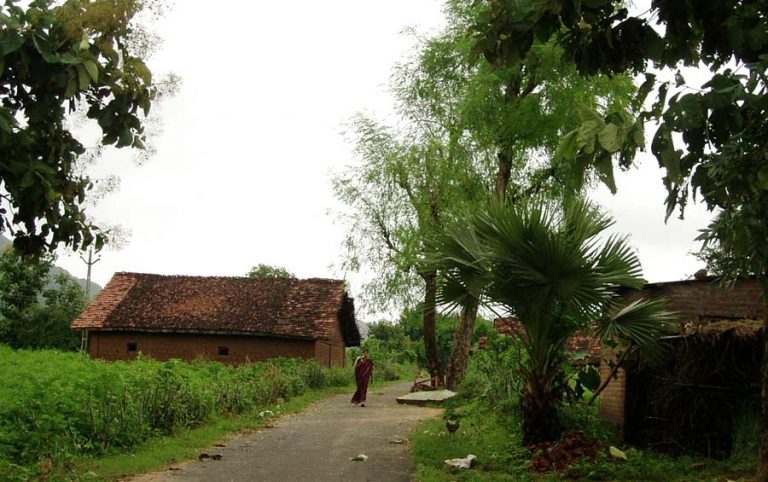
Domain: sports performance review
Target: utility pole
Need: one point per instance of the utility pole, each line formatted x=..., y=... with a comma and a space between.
x=89, y=262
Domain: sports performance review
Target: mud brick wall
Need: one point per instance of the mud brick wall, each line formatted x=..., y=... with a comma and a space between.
x=241, y=349
x=612, y=398
x=693, y=301
x=705, y=300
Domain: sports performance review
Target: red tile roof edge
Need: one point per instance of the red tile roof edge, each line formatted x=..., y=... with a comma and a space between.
x=295, y=308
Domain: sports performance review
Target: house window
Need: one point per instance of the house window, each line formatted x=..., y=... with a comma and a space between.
x=223, y=350
x=133, y=346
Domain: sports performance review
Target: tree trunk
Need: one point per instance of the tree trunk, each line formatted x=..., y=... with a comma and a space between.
x=762, y=462
x=502, y=175
x=462, y=344
x=539, y=408
x=430, y=325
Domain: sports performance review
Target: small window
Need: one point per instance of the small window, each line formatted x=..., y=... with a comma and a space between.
x=133, y=346
x=223, y=350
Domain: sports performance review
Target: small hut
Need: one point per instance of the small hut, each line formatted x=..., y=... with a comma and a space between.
x=691, y=402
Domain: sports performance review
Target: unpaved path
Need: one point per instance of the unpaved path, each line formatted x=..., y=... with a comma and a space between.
x=316, y=445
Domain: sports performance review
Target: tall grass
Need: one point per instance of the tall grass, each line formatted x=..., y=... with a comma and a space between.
x=56, y=405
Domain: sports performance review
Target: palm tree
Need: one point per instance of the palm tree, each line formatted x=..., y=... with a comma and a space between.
x=547, y=267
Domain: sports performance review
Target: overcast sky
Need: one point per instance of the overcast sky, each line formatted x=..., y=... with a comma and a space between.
x=242, y=172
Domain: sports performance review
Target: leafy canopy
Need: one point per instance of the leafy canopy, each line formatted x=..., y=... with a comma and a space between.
x=268, y=271
x=550, y=269
x=711, y=138
x=36, y=307
x=56, y=58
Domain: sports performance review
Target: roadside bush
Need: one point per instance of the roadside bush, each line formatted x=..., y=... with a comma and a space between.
x=389, y=371
x=392, y=359
x=57, y=405
x=492, y=377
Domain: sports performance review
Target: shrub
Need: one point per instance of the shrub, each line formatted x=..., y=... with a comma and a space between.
x=59, y=405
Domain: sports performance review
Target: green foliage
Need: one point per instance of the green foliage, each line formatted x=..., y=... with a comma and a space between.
x=267, y=271
x=547, y=267
x=500, y=455
x=36, y=310
x=412, y=326
x=495, y=438
x=393, y=353
x=56, y=58
x=710, y=137
x=21, y=281
x=61, y=405
x=601, y=36
x=49, y=325
x=493, y=377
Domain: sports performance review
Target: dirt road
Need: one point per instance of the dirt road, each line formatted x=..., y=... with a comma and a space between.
x=316, y=445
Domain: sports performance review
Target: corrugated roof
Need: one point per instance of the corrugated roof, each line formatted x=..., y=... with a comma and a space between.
x=308, y=308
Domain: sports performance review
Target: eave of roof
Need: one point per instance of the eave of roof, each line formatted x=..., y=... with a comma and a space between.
x=290, y=308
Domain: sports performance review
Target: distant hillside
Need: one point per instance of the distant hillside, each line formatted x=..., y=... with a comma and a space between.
x=95, y=287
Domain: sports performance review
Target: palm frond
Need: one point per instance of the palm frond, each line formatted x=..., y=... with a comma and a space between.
x=618, y=264
x=641, y=322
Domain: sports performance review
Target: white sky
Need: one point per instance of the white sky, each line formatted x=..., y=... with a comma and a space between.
x=242, y=172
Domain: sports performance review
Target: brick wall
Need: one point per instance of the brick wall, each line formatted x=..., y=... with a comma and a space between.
x=693, y=301
x=705, y=300
x=612, y=398
x=163, y=346
x=329, y=353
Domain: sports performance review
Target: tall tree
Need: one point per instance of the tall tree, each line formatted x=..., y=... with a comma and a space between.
x=21, y=282
x=516, y=115
x=711, y=138
x=37, y=307
x=399, y=193
x=58, y=58
x=49, y=322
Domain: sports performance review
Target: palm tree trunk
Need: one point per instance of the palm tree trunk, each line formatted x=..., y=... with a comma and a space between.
x=462, y=344
x=539, y=408
x=430, y=325
x=504, y=162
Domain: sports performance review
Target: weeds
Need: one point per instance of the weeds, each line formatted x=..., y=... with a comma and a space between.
x=490, y=428
x=57, y=406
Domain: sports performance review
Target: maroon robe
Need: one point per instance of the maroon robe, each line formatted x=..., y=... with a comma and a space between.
x=363, y=375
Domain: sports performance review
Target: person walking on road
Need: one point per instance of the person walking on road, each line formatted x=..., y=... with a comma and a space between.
x=363, y=376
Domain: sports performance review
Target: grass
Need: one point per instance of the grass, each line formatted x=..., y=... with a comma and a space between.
x=68, y=415
x=160, y=452
x=495, y=440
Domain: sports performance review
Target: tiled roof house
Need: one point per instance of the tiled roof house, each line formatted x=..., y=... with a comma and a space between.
x=233, y=320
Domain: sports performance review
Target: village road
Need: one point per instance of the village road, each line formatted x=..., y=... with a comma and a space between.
x=316, y=445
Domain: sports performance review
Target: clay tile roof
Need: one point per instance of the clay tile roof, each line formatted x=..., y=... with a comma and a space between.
x=308, y=308
x=579, y=342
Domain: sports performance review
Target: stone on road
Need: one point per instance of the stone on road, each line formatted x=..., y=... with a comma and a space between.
x=317, y=445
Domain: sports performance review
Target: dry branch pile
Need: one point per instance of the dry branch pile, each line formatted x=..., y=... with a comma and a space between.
x=575, y=446
x=687, y=404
